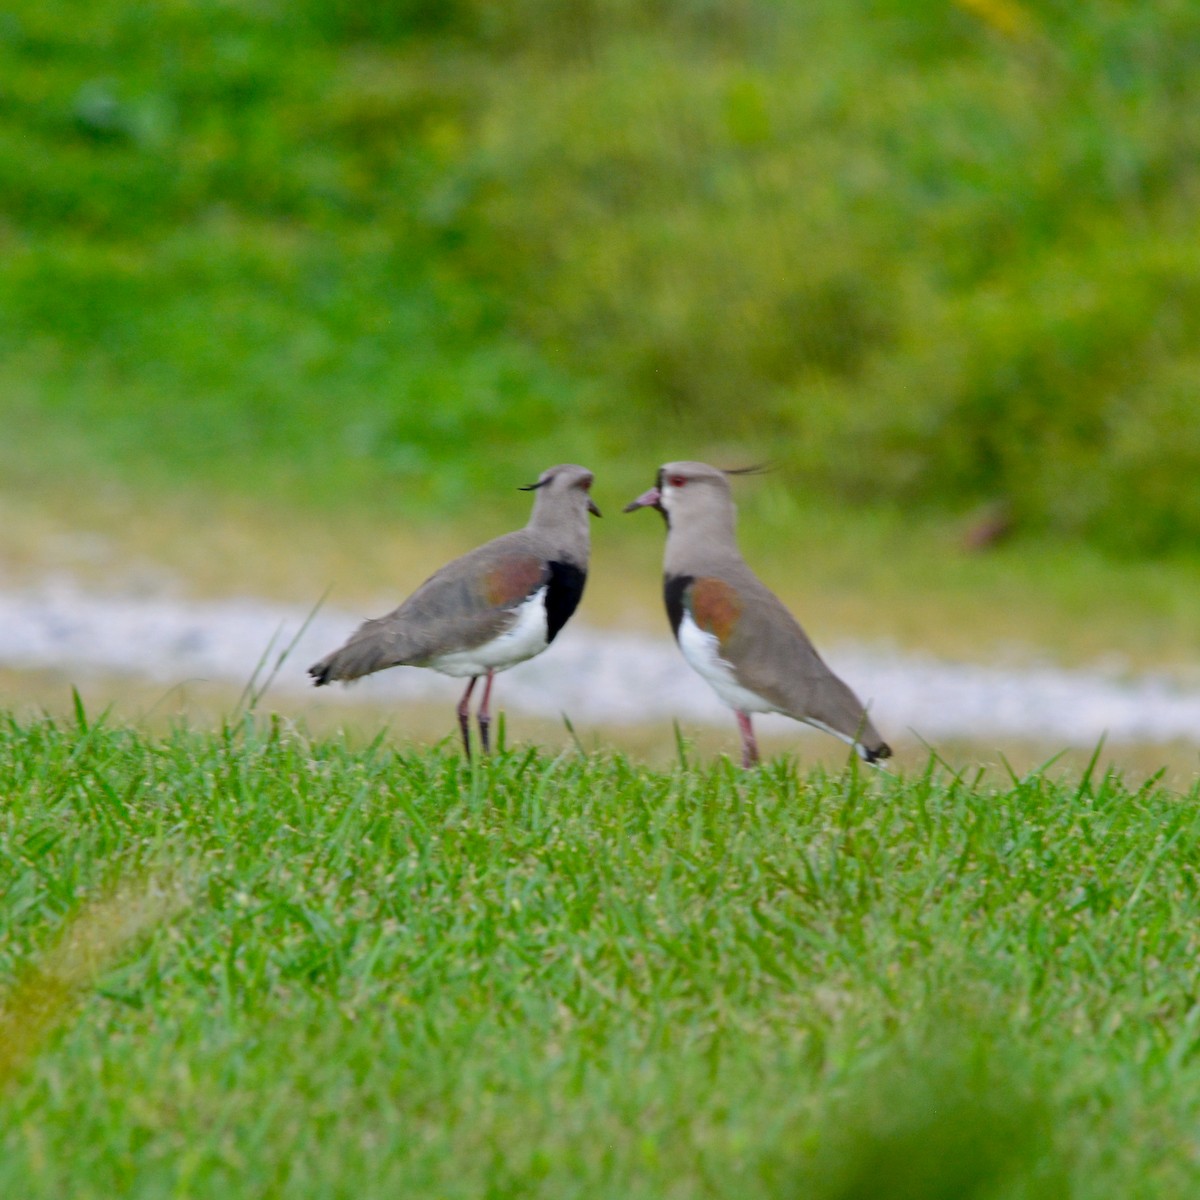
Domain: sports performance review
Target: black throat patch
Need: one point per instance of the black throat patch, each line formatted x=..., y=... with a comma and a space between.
x=562, y=596
x=674, y=589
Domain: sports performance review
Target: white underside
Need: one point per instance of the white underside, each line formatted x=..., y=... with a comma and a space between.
x=703, y=653
x=524, y=638
x=862, y=750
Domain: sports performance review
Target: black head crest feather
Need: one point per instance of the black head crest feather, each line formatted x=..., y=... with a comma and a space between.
x=757, y=469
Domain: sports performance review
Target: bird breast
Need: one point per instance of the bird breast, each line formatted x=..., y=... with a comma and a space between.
x=703, y=653
x=526, y=635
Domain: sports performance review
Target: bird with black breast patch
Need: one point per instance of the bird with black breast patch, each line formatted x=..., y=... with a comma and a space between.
x=494, y=607
x=732, y=629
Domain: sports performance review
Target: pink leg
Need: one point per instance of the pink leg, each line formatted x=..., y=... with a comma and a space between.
x=749, y=745
x=485, y=716
x=464, y=715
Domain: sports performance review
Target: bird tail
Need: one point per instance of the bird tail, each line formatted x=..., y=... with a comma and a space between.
x=869, y=746
x=372, y=648
x=873, y=751
x=865, y=739
x=846, y=718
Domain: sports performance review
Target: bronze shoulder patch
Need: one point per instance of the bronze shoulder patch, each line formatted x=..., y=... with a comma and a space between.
x=715, y=607
x=510, y=582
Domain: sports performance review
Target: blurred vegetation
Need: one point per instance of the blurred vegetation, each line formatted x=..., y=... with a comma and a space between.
x=918, y=253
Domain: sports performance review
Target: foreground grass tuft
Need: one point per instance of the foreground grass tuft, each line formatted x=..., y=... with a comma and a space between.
x=388, y=973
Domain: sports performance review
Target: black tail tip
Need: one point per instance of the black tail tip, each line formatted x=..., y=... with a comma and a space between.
x=320, y=674
x=883, y=750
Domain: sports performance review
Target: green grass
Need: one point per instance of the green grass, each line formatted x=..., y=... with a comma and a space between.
x=255, y=962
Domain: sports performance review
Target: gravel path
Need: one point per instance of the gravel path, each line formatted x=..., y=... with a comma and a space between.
x=603, y=678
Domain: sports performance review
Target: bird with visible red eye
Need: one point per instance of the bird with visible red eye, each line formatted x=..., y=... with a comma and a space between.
x=734, y=631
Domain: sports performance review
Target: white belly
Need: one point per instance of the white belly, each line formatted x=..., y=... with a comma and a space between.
x=524, y=638
x=703, y=653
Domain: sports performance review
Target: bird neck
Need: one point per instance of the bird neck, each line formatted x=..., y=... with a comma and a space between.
x=708, y=540
x=564, y=526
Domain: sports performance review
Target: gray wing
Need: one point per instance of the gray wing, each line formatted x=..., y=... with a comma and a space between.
x=773, y=657
x=467, y=603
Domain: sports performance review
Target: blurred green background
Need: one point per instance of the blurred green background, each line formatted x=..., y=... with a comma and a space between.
x=924, y=256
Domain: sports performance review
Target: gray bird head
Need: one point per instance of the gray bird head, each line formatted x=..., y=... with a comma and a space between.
x=560, y=510
x=688, y=492
x=567, y=485
x=695, y=500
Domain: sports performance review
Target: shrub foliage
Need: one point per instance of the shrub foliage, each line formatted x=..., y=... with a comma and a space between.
x=933, y=253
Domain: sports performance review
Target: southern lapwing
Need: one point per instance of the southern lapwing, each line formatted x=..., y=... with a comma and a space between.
x=732, y=629
x=489, y=610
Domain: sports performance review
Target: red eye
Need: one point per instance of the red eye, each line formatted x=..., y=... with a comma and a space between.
x=676, y=481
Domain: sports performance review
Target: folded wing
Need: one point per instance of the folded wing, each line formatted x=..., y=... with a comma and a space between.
x=467, y=603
